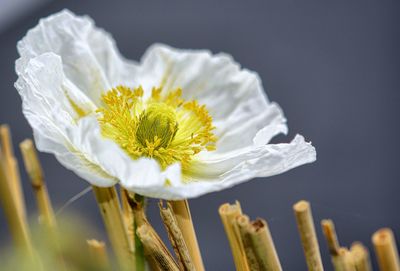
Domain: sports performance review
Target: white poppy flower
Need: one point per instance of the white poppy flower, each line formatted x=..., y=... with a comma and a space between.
x=178, y=124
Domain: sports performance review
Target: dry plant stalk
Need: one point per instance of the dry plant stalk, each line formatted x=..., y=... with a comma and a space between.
x=263, y=246
x=343, y=261
x=243, y=224
x=360, y=257
x=183, y=217
x=98, y=253
x=341, y=258
x=386, y=250
x=308, y=236
x=328, y=228
x=16, y=221
x=176, y=238
x=35, y=173
x=155, y=250
x=228, y=214
x=12, y=169
x=110, y=209
x=128, y=216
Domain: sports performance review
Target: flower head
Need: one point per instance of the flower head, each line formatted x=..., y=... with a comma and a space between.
x=179, y=124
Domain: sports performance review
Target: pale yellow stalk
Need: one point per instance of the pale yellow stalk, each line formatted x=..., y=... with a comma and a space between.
x=263, y=246
x=308, y=236
x=12, y=169
x=176, y=237
x=16, y=221
x=35, y=173
x=386, y=250
x=98, y=253
x=183, y=217
x=228, y=214
x=110, y=210
x=360, y=257
x=155, y=250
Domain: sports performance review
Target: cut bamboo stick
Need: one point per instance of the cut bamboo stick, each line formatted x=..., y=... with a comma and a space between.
x=16, y=221
x=176, y=237
x=128, y=217
x=183, y=217
x=98, y=253
x=328, y=228
x=228, y=214
x=360, y=257
x=155, y=250
x=263, y=246
x=308, y=236
x=386, y=250
x=343, y=261
x=35, y=173
x=243, y=223
x=110, y=209
x=12, y=169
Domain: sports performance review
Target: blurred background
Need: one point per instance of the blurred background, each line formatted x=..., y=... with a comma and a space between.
x=332, y=66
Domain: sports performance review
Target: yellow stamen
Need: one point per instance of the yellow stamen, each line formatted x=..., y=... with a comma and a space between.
x=164, y=127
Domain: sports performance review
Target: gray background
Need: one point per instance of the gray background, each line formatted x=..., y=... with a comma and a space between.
x=332, y=66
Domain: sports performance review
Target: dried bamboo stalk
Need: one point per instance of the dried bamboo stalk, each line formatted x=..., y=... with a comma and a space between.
x=110, y=209
x=243, y=224
x=16, y=221
x=98, y=253
x=176, y=237
x=386, y=250
x=228, y=214
x=12, y=169
x=343, y=261
x=183, y=217
x=155, y=250
x=340, y=257
x=308, y=236
x=128, y=217
x=328, y=228
x=360, y=257
x=263, y=246
x=35, y=173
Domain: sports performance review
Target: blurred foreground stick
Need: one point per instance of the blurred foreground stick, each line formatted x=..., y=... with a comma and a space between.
x=16, y=220
x=35, y=173
x=11, y=168
x=386, y=250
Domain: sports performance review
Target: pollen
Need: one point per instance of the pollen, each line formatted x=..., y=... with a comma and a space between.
x=164, y=126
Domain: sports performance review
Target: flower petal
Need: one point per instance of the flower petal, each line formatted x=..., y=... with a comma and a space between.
x=90, y=58
x=43, y=86
x=263, y=161
x=234, y=96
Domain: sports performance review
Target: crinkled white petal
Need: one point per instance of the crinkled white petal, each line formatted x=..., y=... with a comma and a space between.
x=66, y=58
x=234, y=96
x=263, y=161
x=42, y=86
x=90, y=58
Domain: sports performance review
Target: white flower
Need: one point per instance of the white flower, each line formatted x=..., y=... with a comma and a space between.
x=179, y=124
